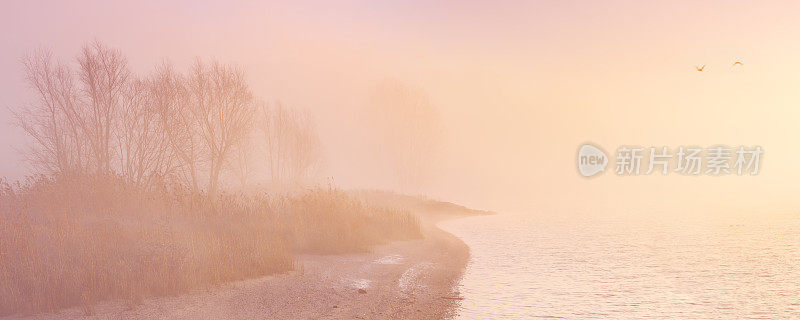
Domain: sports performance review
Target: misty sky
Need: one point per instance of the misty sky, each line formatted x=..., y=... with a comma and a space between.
x=520, y=85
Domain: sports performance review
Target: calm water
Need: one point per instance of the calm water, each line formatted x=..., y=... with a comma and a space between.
x=524, y=266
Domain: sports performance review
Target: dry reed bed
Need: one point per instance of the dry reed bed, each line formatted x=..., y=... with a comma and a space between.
x=76, y=241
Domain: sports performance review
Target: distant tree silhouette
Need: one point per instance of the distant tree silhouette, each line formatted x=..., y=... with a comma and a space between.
x=413, y=131
x=292, y=145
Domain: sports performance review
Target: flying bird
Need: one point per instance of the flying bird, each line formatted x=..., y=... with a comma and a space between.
x=738, y=63
x=700, y=68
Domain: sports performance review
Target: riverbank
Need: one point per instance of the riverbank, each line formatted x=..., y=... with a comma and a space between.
x=402, y=280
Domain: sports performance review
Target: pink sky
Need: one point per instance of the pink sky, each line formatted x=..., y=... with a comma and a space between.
x=520, y=84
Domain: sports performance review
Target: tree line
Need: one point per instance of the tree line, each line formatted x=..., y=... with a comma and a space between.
x=97, y=118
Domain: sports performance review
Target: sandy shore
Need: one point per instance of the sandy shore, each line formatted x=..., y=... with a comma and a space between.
x=402, y=280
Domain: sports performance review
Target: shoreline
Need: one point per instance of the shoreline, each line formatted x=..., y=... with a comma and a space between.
x=414, y=279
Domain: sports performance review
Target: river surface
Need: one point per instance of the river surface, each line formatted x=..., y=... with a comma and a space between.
x=528, y=266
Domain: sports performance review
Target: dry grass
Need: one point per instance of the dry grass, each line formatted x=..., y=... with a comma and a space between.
x=77, y=241
x=330, y=221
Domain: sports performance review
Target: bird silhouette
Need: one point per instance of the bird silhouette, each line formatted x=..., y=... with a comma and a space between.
x=738, y=63
x=700, y=68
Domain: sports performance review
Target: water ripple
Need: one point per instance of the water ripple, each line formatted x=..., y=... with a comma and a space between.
x=525, y=266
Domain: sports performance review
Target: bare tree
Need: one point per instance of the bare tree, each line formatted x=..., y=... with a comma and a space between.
x=273, y=126
x=305, y=147
x=222, y=107
x=58, y=142
x=242, y=164
x=172, y=103
x=72, y=123
x=292, y=145
x=413, y=131
x=104, y=77
x=143, y=142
